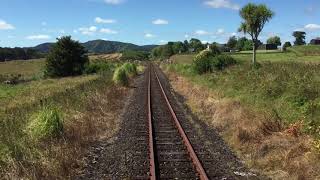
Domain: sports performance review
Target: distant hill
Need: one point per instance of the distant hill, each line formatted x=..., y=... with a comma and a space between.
x=101, y=46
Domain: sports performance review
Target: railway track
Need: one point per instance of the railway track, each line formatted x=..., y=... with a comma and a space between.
x=171, y=154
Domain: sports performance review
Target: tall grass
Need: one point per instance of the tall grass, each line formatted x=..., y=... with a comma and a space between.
x=290, y=89
x=46, y=123
x=123, y=73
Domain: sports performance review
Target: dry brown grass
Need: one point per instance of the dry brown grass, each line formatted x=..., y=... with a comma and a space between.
x=62, y=158
x=259, y=138
x=106, y=57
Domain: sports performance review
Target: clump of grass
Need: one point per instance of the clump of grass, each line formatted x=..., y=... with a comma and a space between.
x=123, y=73
x=130, y=68
x=45, y=123
x=120, y=76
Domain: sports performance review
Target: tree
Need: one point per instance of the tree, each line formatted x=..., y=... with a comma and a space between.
x=274, y=40
x=255, y=17
x=66, y=58
x=178, y=47
x=196, y=44
x=286, y=45
x=232, y=42
x=300, y=38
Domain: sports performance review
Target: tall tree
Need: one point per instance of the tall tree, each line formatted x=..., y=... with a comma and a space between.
x=254, y=18
x=66, y=58
x=196, y=44
x=274, y=40
x=232, y=42
x=300, y=38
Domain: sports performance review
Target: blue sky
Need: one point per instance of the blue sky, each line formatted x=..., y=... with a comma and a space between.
x=32, y=22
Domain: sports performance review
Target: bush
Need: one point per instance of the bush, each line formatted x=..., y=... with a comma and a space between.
x=202, y=62
x=120, y=76
x=222, y=61
x=66, y=58
x=131, y=69
x=98, y=67
x=45, y=124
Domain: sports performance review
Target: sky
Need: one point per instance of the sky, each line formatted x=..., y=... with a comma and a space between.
x=31, y=22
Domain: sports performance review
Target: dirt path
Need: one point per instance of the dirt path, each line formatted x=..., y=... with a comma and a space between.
x=125, y=157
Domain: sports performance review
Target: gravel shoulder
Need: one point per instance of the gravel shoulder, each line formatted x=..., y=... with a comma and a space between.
x=125, y=156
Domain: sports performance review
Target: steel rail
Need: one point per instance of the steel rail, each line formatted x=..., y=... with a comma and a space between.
x=195, y=160
x=151, y=143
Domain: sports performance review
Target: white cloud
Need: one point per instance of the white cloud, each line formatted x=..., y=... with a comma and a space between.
x=163, y=42
x=100, y=20
x=205, y=42
x=108, y=31
x=160, y=22
x=186, y=36
x=234, y=34
x=114, y=2
x=43, y=23
x=148, y=35
x=5, y=26
x=88, y=30
x=312, y=27
x=220, y=31
x=201, y=32
x=222, y=4
x=38, y=37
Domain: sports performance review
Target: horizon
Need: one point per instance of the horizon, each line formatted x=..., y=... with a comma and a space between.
x=146, y=22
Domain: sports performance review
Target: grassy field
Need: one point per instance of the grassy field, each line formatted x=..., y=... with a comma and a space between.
x=28, y=69
x=269, y=115
x=75, y=101
x=297, y=53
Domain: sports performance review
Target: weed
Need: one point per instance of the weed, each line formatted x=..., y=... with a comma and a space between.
x=120, y=76
x=45, y=123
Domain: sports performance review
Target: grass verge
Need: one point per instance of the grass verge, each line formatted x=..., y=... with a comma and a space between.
x=266, y=115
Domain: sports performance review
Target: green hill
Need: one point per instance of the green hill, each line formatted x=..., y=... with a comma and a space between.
x=101, y=46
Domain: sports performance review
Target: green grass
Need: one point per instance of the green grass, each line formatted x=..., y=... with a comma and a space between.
x=290, y=88
x=26, y=68
x=297, y=54
x=308, y=50
x=34, y=112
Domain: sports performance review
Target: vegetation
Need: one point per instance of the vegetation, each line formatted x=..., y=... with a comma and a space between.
x=8, y=54
x=300, y=38
x=244, y=44
x=99, y=66
x=102, y=46
x=66, y=58
x=274, y=40
x=123, y=73
x=209, y=61
x=131, y=55
x=255, y=17
x=46, y=123
x=232, y=42
x=286, y=45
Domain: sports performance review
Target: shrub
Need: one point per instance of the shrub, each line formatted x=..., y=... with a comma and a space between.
x=120, y=76
x=202, y=62
x=98, y=67
x=222, y=61
x=208, y=61
x=130, y=68
x=66, y=58
x=45, y=124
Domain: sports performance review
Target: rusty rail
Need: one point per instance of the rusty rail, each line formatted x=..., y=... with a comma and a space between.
x=196, y=163
x=151, y=143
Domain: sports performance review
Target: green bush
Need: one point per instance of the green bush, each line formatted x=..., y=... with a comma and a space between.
x=66, y=58
x=45, y=124
x=202, y=62
x=222, y=61
x=130, y=68
x=98, y=67
x=120, y=76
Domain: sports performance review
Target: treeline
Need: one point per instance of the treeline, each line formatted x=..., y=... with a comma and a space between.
x=8, y=54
